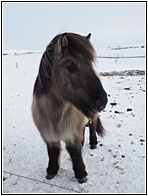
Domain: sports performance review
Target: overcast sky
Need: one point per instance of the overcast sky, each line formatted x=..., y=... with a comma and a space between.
x=32, y=25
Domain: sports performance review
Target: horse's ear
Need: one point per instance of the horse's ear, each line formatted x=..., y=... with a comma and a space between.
x=88, y=36
x=62, y=44
x=64, y=41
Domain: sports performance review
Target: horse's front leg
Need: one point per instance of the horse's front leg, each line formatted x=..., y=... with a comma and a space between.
x=77, y=161
x=54, y=159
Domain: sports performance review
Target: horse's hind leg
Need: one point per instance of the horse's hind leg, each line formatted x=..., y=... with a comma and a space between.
x=77, y=161
x=95, y=127
x=54, y=157
x=92, y=133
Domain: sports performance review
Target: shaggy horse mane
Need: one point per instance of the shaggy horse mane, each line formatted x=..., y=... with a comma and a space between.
x=78, y=46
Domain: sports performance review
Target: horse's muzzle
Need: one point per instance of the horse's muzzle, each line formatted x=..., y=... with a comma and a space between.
x=101, y=104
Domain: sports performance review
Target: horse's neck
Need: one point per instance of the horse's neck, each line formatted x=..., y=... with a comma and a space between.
x=58, y=105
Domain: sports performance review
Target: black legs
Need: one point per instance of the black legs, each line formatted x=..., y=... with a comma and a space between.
x=95, y=127
x=54, y=159
x=76, y=157
x=92, y=136
x=75, y=151
x=77, y=161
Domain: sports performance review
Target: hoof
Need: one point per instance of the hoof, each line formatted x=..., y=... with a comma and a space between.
x=82, y=180
x=49, y=177
x=93, y=146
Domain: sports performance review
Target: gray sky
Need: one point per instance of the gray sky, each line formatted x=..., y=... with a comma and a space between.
x=32, y=25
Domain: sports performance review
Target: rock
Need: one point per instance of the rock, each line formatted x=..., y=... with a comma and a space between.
x=119, y=125
x=4, y=178
x=129, y=88
x=142, y=140
x=129, y=109
x=117, y=112
x=123, y=73
x=113, y=104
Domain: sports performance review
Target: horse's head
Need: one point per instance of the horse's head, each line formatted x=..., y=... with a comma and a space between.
x=72, y=77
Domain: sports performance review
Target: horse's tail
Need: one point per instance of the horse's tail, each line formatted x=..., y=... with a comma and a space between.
x=99, y=128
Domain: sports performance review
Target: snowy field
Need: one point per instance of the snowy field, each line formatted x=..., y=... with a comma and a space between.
x=118, y=163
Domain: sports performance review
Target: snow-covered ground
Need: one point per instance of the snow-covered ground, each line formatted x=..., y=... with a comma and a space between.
x=116, y=166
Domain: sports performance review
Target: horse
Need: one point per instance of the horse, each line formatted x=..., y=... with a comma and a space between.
x=67, y=96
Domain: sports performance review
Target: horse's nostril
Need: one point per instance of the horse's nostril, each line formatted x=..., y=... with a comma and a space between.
x=99, y=102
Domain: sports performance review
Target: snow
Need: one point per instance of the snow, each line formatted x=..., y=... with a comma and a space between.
x=118, y=163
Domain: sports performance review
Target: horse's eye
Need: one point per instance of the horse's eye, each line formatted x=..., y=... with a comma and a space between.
x=72, y=68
